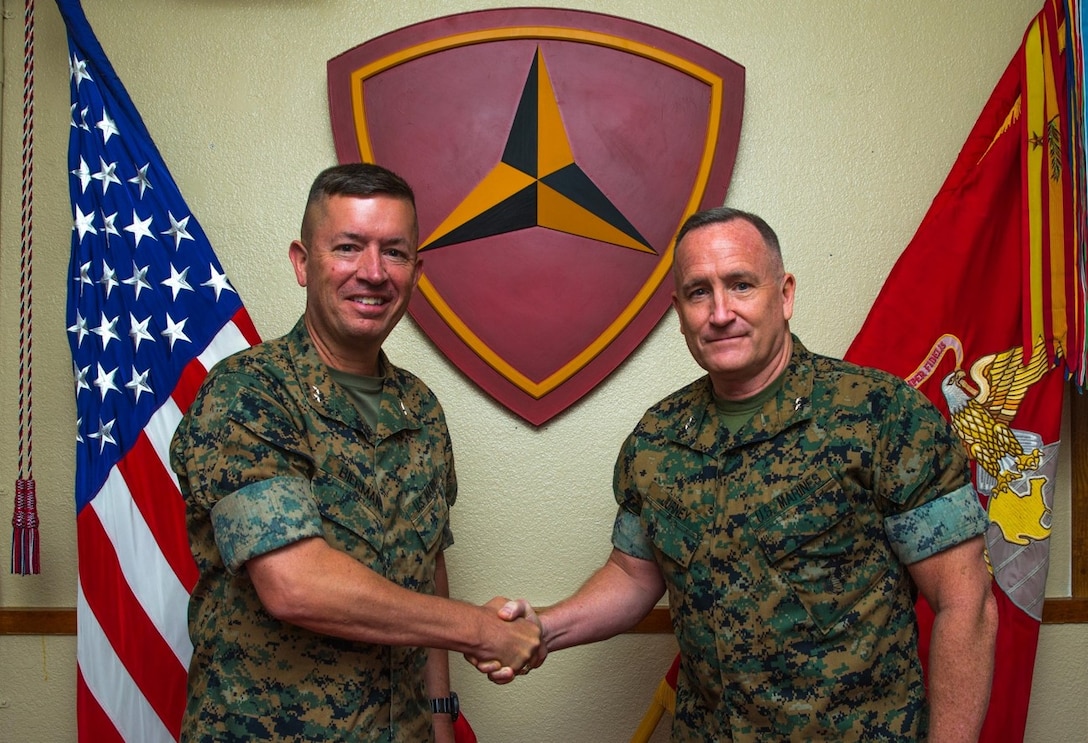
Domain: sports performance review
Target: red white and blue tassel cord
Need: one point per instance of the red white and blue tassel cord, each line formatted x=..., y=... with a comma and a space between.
x=25, y=545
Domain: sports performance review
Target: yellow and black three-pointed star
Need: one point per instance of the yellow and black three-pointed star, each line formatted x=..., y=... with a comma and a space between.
x=537, y=183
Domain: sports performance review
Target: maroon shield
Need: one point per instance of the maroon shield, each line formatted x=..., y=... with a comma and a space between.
x=554, y=155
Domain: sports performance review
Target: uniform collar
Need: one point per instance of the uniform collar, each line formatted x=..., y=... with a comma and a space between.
x=700, y=430
x=329, y=399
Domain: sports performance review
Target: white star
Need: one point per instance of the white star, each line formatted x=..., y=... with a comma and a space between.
x=81, y=377
x=137, y=330
x=104, y=435
x=79, y=328
x=83, y=119
x=104, y=381
x=108, y=127
x=139, y=228
x=77, y=69
x=79, y=426
x=218, y=281
x=107, y=331
x=83, y=173
x=109, y=278
x=72, y=116
x=177, y=281
x=138, y=279
x=85, y=277
x=107, y=174
x=109, y=225
x=139, y=383
x=141, y=179
x=175, y=331
x=177, y=230
x=83, y=223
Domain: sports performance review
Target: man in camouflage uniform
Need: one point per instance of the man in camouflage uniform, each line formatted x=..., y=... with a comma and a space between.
x=790, y=503
x=318, y=479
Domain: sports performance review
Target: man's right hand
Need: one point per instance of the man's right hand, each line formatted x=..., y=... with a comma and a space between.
x=515, y=613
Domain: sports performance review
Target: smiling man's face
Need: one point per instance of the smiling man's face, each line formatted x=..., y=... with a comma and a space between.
x=359, y=270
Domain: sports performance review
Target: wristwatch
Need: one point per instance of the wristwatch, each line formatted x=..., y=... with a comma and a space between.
x=447, y=706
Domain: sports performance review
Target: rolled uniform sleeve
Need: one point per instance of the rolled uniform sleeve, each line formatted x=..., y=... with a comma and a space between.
x=262, y=517
x=937, y=525
x=920, y=456
x=922, y=472
x=629, y=536
x=239, y=455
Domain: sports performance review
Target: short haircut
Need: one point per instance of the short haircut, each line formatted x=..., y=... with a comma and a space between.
x=724, y=214
x=361, y=180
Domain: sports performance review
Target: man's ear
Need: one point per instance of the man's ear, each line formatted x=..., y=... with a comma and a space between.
x=298, y=255
x=789, y=288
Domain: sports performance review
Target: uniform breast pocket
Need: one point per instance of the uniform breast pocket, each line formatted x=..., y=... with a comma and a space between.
x=671, y=525
x=429, y=514
x=351, y=510
x=829, y=553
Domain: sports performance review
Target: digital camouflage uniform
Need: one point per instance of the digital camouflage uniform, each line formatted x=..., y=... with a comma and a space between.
x=273, y=451
x=783, y=546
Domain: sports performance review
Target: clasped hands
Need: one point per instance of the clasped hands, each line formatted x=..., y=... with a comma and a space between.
x=521, y=643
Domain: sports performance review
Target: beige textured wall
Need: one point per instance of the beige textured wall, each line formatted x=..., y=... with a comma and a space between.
x=855, y=111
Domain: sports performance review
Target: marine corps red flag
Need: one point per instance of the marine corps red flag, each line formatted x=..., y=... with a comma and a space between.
x=983, y=313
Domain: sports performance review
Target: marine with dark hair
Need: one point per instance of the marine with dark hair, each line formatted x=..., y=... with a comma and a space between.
x=318, y=480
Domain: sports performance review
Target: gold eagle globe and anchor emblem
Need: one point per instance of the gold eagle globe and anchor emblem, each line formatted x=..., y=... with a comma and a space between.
x=982, y=405
x=982, y=413
x=1014, y=468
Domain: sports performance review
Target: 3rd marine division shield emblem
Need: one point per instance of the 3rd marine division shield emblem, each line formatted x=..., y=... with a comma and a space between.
x=554, y=155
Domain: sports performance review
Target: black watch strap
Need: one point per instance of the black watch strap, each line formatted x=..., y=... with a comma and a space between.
x=450, y=705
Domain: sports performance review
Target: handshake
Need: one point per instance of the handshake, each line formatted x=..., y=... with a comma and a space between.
x=512, y=639
x=514, y=646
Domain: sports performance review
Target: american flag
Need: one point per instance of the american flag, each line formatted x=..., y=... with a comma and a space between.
x=149, y=312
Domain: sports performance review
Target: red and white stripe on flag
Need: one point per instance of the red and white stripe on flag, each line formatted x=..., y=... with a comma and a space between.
x=135, y=575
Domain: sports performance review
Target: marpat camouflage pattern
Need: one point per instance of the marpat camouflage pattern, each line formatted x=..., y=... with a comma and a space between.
x=273, y=451
x=784, y=544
